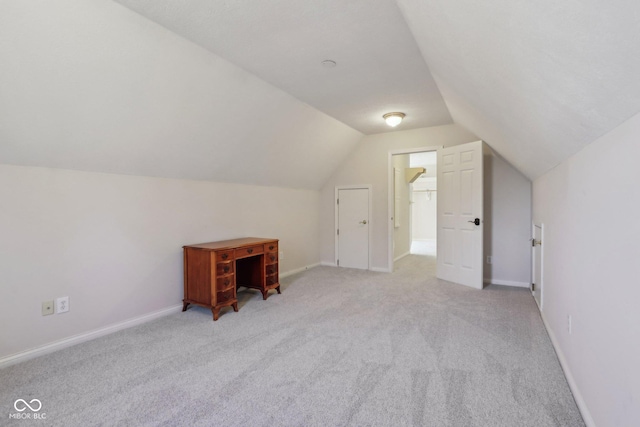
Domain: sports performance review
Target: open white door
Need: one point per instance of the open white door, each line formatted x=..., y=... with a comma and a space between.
x=353, y=228
x=460, y=194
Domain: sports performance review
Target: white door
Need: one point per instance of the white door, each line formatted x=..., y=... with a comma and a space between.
x=537, y=265
x=353, y=228
x=459, y=237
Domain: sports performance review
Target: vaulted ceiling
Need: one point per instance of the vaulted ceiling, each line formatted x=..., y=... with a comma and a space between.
x=538, y=80
x=234, y=90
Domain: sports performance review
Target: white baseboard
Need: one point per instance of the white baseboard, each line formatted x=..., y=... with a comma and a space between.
x=328, y=264
x=86, y=336
x=376, y=269
x=380, y=270
x=507, y=283
x=298, y=270
x=582, y=406
x=401, y=256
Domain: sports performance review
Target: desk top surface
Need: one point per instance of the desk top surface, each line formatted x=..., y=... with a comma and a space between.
x=231, y=244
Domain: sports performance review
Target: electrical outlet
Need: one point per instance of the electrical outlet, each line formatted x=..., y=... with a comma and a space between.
x=569, y=324
x=489, y=259
x=281, y=255
x=62, y=305
x=47, y=308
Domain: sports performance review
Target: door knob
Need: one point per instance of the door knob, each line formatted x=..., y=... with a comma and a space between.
x=364, y=221
x=475, y=221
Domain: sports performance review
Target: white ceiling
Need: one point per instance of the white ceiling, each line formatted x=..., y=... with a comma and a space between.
x=233, y=90
x=379, y=66
x=536, y=80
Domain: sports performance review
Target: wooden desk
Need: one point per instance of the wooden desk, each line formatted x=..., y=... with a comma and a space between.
x=213, y=271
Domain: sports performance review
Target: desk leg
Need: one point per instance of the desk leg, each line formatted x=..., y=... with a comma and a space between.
x=185, y=305
x=235, y=307
x=216, y=313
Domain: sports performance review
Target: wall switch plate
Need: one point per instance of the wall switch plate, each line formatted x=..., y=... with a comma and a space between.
x=47, y=308
x=281, y=255
x=62, y=305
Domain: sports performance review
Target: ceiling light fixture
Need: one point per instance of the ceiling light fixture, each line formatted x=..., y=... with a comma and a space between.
x=327, y=63
x=393, y=119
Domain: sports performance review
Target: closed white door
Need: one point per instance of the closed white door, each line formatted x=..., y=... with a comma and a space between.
x=537, y=265
x=460, y=193
x=353, y=228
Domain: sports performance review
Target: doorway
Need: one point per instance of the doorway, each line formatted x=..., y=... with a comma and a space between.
x=460, y=185
x=423, y=203
x=404, y=219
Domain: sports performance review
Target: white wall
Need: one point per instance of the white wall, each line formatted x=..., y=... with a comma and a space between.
x=507, y=223
x=510, y=191
x=113, y=243
x=590, y=205
x=424, y=216
x=368, y=164
x=402, y=234
x=424, y=208
x=92, y=86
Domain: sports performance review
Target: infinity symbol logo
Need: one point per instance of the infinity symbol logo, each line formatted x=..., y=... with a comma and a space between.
x=26, y=405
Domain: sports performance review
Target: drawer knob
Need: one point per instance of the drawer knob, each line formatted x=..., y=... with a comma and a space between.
x=225, y=256
x=271, y=247
x=226, y=282
x=249, y=250
x=226, y=269
x=272, y=257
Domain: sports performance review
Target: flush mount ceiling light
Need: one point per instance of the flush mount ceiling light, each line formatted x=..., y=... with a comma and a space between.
x=327, y=63
x=393, y=119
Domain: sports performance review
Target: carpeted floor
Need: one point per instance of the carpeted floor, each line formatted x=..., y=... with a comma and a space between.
x=339, y=347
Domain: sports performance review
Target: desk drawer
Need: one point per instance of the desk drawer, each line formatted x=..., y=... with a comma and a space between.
x=226, y=296
x=271, y=247
x=272, y=280
x=224, y=255
x=250, y=251
x=224, y=268
x=272, y=269
x=226, y=282
x=271, y=257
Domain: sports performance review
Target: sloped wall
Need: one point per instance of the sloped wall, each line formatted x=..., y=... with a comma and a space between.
x=91, y=85
x=589, y=207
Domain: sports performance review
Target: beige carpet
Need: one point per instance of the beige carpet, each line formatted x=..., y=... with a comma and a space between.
x=339, y=347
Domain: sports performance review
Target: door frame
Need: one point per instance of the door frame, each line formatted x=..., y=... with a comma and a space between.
x=369, y=188
x=390, y=190
x=533, y=262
